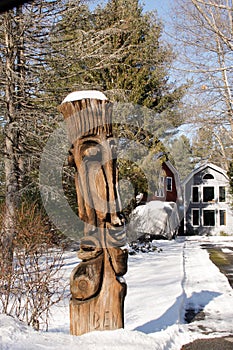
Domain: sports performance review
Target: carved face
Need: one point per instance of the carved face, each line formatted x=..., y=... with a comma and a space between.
x=96, y=182
x=93, y=153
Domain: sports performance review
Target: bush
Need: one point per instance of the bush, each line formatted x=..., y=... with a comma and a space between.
x=34, y=283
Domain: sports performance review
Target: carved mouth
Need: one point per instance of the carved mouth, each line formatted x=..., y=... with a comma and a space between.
x=118, y=232
x=116, y=236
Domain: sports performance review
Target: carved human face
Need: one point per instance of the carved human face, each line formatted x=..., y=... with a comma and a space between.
x=96, y=182
x=93, y=153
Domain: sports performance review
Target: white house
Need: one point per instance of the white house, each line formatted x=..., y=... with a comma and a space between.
x=207, y=207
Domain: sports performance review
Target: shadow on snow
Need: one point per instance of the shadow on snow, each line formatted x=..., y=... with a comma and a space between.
x=177, y=313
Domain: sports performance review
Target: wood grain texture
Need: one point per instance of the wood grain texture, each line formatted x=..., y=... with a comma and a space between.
x=102, y=312
x=97, y=286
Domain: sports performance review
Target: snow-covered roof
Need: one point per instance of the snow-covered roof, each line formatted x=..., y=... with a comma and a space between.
x=201, y=168
x=80, y=95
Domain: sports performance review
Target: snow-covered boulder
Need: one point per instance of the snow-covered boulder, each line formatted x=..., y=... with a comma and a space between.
x=155, y=218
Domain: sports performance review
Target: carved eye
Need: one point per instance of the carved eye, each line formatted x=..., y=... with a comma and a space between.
x=93, y=152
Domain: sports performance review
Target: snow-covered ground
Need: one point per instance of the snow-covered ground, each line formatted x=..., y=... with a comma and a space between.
x=161, y=285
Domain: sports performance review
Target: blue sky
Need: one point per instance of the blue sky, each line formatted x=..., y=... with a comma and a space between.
x=162, y=6
x=164, y=9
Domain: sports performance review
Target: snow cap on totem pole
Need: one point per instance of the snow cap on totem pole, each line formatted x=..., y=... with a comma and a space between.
x=87, y=112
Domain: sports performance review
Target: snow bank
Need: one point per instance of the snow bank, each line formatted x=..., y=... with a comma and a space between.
x=161, y=286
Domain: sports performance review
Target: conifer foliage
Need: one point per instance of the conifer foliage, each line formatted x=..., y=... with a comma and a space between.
x=116, y=49
x=53, y=47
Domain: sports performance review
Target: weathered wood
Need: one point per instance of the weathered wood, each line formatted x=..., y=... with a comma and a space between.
x=97, y=286
x=105, y=311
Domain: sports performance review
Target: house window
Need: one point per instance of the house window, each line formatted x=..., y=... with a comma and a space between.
x=222, y=217
x=195, y=194
x=209, y=217
x=208, y=177
x=169, y=183
x=208, y=194
x=222, y=194
x=195, y=217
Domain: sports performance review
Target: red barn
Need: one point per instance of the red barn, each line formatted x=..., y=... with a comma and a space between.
x=160, y=213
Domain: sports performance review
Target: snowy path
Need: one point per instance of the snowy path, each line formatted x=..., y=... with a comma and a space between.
x=160, y=286
x=158, y=276
x=207, y=289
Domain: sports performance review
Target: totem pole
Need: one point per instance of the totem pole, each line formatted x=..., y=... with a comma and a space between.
x=97, y=287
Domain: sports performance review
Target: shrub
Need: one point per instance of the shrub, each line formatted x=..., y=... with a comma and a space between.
x=34, y=283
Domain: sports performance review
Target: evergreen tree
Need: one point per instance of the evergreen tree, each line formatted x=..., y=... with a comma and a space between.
x=180, y=152
x=52, y=47
x=118, y=49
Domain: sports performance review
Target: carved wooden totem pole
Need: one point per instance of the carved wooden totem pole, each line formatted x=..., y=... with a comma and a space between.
x=97, y=286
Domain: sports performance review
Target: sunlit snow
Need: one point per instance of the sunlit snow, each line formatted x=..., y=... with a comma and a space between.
x=161, y=286
x=79, y=95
